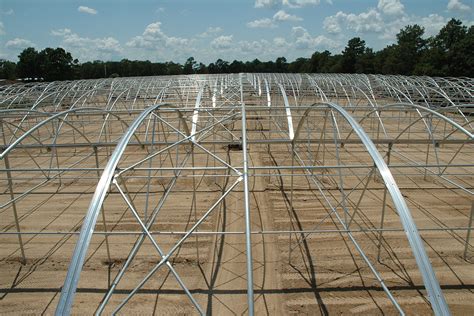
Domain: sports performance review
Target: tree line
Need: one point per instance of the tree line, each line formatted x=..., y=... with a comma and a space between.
x=449, y=53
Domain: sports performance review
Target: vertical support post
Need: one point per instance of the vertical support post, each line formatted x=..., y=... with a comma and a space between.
x=378, y=125
x=409, y=122
x=269, y=104
x=384, y=206
x=426, y=161
x=291, y=201
x=194, y=200
x=248, y=243
x=468, y=235
x=15, y=213
x=12, y=196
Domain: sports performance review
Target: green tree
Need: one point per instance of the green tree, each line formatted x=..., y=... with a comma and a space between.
x=410, y=48
x=255, y=65
x=56, y=64
x=446, y=53
x=236, y=66
x=28, y=64
x=201, y=69
x=281, y=65
x=386, y=60
x=321, y=62
x=455, y=43
x=174, y=68
x=365, y=62
x=7, y=69
x=461, y=56
x=300, y=65
x=433, y=61
x=452, y=33
x=352, y=52
x=222, y=66
x=189, y=65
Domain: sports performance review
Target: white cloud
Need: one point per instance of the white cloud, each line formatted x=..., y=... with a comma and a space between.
x=214, y=29
x=86, y=48
x=19, y=43
x=222, y=42
x=211, y=30
x=61, y=32
x=262, y=23
x=156, y=44
x=289, y=3
x=432, y=24
x=392, y=28
x=280, y=42
x=139, y=42
x=299, y=3
x=2, y=29
x=266, y=3
x=84, y=9
x=280, y=16
x=365, y=22
x=283, y=16
x=70, y=39
x=332, y=24
x=303, y=40
x=391, y=7
x=153, y=36
x=457, y=5
x=387, y=25
x=254, y=48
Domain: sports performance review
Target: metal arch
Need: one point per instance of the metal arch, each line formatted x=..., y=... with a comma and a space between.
x=371, y=102
x=72, y=106
x=291, y=132
x=31, y=130
x=269, y=100
x=72, y=278
x=404, y=82
x=30, y=133
x=37, y=102
x=52, y=117
x=19, y=128
x=390, y=83
x=419, y=107
x=429, y=131
x=187, y=133
x=109, y=111
x=441, y=93
x=435, y=294
x=452, y=132
x=27, y=152
x=318, y=89
x=195, y=117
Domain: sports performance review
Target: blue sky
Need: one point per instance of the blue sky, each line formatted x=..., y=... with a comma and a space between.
x=211, y=29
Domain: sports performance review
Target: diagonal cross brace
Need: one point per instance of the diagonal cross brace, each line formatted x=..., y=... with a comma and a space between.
x=147, y=232
x=177, y=245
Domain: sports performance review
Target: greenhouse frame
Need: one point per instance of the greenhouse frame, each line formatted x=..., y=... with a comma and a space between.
x=238, y=194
